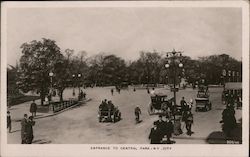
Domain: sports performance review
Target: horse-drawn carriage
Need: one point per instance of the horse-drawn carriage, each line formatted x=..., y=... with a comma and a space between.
x=202, y=100
x=160, y=104
x=110, y=115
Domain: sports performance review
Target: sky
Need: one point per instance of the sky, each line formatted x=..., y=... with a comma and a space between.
x=127, y=31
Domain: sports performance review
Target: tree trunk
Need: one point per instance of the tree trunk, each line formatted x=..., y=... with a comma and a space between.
x=42, y=96
x=61, y=95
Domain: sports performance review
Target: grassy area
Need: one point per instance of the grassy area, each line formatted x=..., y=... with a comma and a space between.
x=22, y=99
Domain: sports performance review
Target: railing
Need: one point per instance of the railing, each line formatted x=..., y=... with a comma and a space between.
x=59, y=106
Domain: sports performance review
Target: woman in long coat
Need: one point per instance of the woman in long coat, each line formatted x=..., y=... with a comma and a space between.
x=30, y=135
x=24, y=129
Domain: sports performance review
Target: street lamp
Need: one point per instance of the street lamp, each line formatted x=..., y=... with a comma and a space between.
x=229, y=76
x=79, y=76
x=73, y=76
x=224, y=74
x=51, y=74
x=173, y=58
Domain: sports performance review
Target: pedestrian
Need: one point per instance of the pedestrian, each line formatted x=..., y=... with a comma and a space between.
x=81, y=95
x=160, y=125
x=33, y=108
x=177, y=127
x=168, y=112
x=112, y=91
x=30, y=124
x=239, y=102
x=84, y=95
x=190, y=104
x=189, y=122
x=169, y=129
x=228, y=120
x=24, y=123
x=183, y=105
x=9, y=121
x=137, y=114
x=155, y=135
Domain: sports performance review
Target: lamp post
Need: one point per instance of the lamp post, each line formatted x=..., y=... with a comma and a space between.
x=229, y=76
x=73, y=83
x=172, y=62
x=237, y=76
x=224, y=74
x=79, y=76
x=51, y=74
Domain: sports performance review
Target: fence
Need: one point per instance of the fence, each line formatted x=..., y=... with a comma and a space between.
x=143, y=86
x=59, y=106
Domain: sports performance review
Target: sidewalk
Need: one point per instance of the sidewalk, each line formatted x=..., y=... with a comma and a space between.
x=213, y=135
x=18, y=111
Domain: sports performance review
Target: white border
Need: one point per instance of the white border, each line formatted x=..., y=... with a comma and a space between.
x=84, y=149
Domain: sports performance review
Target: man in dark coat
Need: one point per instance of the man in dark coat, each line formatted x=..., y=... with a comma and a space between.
x=24, y=123
x=189, y=122
x=9, y=121
x=169, y=129
x=155, y=135
x=161, y=126
x=30, y=136
x=110, y=105
x=105, y=105
x=137, y=113
x=183, y=105
x=33, y=108
x=228, y=118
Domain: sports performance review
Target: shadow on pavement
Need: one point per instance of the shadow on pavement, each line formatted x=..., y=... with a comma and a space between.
x=41, y=141
x=218, y=137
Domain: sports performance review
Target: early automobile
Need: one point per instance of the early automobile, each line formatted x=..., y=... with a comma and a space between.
x=202, y=101
x=113, y=115
x=160, y=104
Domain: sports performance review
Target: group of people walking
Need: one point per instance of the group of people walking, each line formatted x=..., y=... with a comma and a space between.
x=118, y=90
x=162, y=131
x=27, y=129
x=27, y=124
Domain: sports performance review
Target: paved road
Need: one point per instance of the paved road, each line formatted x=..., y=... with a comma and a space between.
x=80, y=125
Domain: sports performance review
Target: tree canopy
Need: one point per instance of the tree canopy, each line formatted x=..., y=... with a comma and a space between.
x=39, y=58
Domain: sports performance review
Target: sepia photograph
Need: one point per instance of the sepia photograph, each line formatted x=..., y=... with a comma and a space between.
x=134, y=76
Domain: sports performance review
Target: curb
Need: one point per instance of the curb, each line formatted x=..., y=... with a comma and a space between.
x=53, y=114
